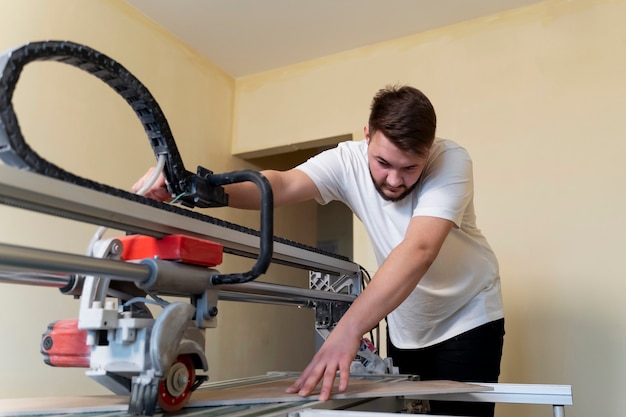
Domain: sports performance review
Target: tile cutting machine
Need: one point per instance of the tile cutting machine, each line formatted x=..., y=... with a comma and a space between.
x=169, y=250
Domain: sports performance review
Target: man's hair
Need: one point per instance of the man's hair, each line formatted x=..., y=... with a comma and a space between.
x=405, y=116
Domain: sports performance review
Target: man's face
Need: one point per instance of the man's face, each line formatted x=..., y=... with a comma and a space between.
x=394, y=172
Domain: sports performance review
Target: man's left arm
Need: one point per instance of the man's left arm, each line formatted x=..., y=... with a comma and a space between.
x=391, y=285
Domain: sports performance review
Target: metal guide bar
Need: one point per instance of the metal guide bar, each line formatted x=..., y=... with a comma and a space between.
x=28, y=277
x=513, y=393
x=48, y=195
x=268, y=289
x=14, y=258
x=46, y=268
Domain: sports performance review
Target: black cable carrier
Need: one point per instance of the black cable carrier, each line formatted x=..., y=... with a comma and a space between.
x=202, y=189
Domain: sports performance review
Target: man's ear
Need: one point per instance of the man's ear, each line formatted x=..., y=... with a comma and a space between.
x=366, y=131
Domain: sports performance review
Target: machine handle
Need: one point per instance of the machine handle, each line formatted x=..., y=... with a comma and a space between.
x=267, y=223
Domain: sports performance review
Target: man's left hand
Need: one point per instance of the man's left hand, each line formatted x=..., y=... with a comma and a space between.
x=336, y=354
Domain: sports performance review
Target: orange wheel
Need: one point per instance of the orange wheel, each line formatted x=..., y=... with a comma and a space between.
x=175, y=388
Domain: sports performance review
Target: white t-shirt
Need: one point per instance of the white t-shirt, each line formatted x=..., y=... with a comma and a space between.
x=461, y=289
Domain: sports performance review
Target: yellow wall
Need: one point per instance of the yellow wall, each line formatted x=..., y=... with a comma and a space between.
x=537, y=95
x=77, y=122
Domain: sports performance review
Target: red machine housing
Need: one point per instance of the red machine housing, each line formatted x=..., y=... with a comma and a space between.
x=178, y=248
x=64, y=345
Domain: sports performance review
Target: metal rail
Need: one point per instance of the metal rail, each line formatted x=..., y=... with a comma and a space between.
x=46, y=262
x=23, y=265
x=47, y=195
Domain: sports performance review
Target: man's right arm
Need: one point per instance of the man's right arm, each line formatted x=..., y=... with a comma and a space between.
x=288, y=187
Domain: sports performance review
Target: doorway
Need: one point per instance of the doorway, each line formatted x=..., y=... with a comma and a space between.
x=334, y=228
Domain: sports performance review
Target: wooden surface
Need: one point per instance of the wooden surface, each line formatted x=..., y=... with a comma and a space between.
x=269, y=392
x=58, y=405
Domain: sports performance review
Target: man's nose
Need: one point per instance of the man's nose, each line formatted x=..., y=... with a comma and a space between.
x=394, y=179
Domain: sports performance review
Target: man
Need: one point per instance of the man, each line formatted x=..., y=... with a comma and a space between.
x=438, y=281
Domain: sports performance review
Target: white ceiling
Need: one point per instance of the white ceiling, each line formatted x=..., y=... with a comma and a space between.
x=245, y=37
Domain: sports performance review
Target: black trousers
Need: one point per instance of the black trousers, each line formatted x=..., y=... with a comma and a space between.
x=473, y=356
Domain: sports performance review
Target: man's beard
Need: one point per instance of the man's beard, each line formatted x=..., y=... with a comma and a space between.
x=406, y=192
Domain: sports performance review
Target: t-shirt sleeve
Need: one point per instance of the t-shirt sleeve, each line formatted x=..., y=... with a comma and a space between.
x=447, y=186
x=325, y=171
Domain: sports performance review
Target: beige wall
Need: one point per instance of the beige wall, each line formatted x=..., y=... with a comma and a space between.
x=537, y=95
x=75, y=121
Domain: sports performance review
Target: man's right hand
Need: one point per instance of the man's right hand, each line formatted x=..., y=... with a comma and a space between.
x=157, y=191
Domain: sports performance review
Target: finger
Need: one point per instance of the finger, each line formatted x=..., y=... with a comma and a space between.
x=295, y=387
x=344, y=379
x=299, y=382
x=137, y=186
x=310, y=380
x=327, y=383
x=160, y=194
